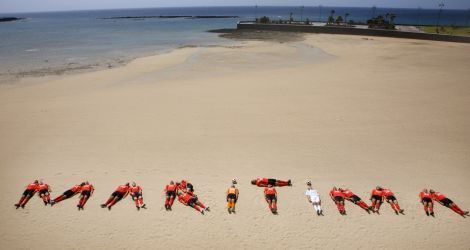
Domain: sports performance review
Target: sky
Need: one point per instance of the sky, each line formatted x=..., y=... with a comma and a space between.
x=12, y=6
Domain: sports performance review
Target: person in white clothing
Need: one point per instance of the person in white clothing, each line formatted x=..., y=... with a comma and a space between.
x=314, y=198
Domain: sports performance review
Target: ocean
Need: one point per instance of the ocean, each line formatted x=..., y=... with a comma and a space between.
x=57, y=42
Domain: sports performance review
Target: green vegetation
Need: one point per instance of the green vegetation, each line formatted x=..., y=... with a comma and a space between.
x=381, y=22
x=447, y=30
x=264, y=19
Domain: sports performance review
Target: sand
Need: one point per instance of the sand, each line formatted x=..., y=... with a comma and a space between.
x=339, y=110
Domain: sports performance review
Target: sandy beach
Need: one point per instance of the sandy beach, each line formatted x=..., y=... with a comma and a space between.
x=339, y=110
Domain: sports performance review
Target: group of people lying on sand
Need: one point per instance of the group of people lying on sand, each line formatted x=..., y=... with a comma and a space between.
x=377, y=197
x=184, y=192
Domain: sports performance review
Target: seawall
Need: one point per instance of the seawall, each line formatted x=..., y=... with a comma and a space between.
x=351, y=31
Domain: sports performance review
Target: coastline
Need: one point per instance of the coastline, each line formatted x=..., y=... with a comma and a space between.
x=230, y=40
x=339, y=110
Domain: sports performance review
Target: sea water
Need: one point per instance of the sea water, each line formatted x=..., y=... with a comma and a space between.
x=56, y=42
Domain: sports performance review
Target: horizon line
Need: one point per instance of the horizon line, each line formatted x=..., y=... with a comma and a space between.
x=219, y=6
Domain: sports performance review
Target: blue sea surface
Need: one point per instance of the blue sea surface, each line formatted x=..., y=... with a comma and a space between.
x=58, y=41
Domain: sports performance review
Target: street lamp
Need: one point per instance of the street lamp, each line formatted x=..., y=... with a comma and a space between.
x=319, y=9
x=418, y=22
x=441, y=5
x=468, y=17
x=301, y=13
x=373, y=11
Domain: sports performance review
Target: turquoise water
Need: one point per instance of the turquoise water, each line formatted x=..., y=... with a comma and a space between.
x=60, y=41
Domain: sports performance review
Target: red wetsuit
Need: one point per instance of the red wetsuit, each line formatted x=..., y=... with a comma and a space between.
x=338, y=198
x=86, y=192
x=120, y=192
x=76, y=189
x=170, y=188
x=136, y=189
x=349, y=195
x=122, y=189
x=183, y=185
x=387, y=192
x=376, y=192
x=438, y=196
x=87, y=187
x=43, y=187
x=270, y=191
x=442, y=199
x=426, y=199
x=424, y=195
x=69, y=193
x=170, y=191
x=336, y=193
x=32, y=186
x=390, y=197
x=136, y=193
x=271, y=197
x=27, y=194
x=264, y=182
x=43, y=190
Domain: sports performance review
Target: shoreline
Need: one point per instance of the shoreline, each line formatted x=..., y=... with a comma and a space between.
x=340, y=110
x=235, y=39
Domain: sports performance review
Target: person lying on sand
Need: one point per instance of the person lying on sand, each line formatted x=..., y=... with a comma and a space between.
x=44, y=192
x=136, y=194
x=68, y=193
x=264, y=182
x=86, y=193
x=350, y=196
x=120, y=192
x=338, y=198
x=376, y=198
x=426, y=199
x=29, y=192
x=314, y=198
x=443, y=200
x=390, y=198
x=188, y=198
x=270, y=194
x=170, y=192
x=232, y=197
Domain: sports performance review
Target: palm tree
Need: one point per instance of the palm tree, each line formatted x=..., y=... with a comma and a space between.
x=346, y=17
x=392, y=18
x=331, y=20
x=339, y=20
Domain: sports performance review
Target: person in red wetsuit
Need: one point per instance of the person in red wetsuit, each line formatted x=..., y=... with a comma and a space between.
x=29, y=192
x=44, y=192
x=443, y=200
x=68, y=194
x=338, y=198
x=376, y=198
x=184, y=185
x=270, y=194
x=350, y=196
x=390, y=198
x=170, y=192
x=188, y=198
x=426, y=200
x=136, y=194
x=120, y=192
x=85, y=194
x=264, y=182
